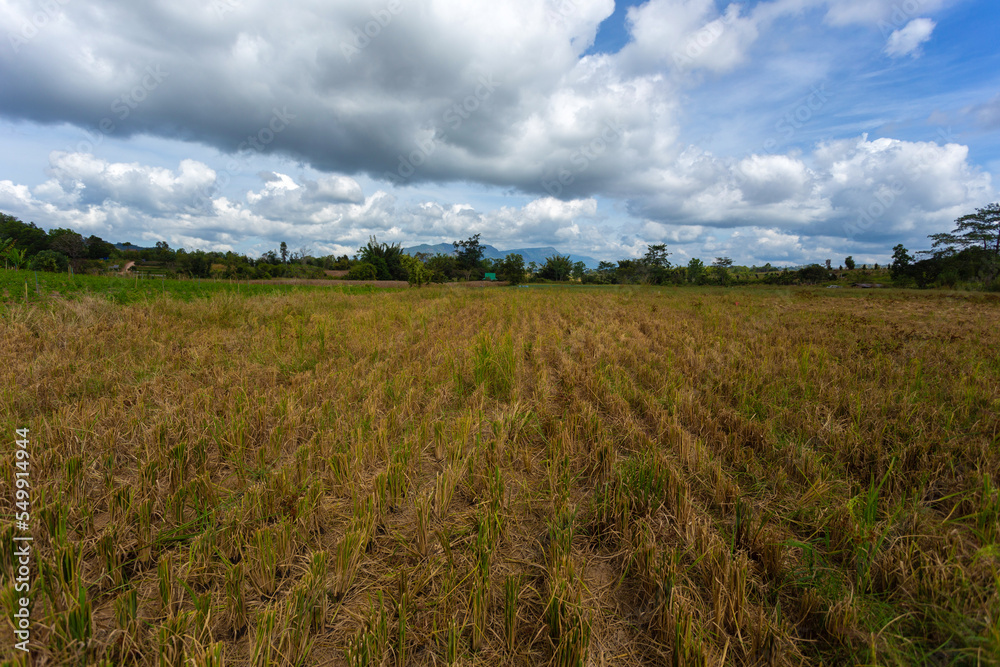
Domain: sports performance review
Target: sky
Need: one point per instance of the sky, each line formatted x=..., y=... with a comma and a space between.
x=781, y=131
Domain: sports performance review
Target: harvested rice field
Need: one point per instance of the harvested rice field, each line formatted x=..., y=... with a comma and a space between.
x=541, y=476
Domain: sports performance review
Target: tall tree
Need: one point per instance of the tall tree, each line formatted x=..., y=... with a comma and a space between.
x=655, y=263
x=975, y=230
x=696, y=271
x=98, y=248
x=721, y=266
x=469, y=255
x=656, y=256
x=512, y=269
x=386, y=258
x=557, y=267
x=901, y=260
x=67, y=242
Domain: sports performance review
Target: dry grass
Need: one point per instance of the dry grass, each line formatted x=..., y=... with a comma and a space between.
x=536, y=476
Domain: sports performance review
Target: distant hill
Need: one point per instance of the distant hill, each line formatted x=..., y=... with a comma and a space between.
x=537, y=255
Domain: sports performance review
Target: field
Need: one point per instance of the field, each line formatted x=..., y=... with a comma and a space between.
x=564, y=476
x=39, y=287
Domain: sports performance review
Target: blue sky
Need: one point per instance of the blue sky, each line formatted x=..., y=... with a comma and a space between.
x=783, y=131
x=613, y=34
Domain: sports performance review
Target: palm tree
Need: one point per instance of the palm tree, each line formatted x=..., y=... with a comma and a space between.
x=385, y=258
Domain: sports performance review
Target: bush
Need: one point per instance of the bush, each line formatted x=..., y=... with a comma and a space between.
x=50, y=260
x=362, y=271
x=416, y=273
x=813, y=273
x=93, y=267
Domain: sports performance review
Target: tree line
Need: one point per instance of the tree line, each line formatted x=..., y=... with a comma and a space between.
x=969, y=254
x=25, y=245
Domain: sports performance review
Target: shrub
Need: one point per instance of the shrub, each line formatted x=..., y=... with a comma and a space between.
x=416, y=273
x=362, y=271
x=50, y=260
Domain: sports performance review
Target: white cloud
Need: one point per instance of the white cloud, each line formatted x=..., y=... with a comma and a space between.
x=893, y=12
x=770, y=179
x=907, y=41
x=687, y=34
x=145, y=204
x=853, y=188
x=602, y=152
x=87, y=180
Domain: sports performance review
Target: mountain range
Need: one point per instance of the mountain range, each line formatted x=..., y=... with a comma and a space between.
x=537, y=255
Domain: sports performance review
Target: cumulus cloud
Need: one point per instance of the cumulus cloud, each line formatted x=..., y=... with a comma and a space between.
x=687, y=34
x=82, y=179
x=856, y=188
x=398, y=95
x=907, y=40
x=344, y=86
x=760, y=208
x=146, y=204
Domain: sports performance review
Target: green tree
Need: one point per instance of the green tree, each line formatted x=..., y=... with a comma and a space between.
x=721, y=266
x=655, y=264
x=901, y=261
x=512, y=269
x=196, y=264
x=469, y=255
x=50, y=260
x=973, y=245
x=386, y=258
x=98, y=248
x=849, y=263
x=416, y=273
x=579, y=269
x=28, y=236
x=656, y=256
x=557, y=267
x=68, y=243
x=163, y=252
x=629, y=271
x=975, y=230
x=442, y=267
x=607, y=272
x=813, y=273
x=696, y=271
x=284, y=252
